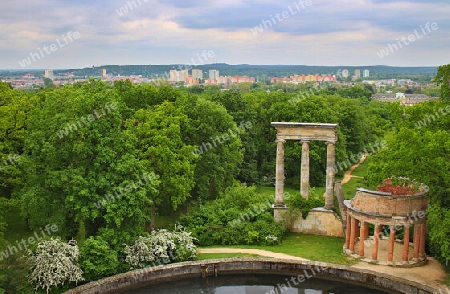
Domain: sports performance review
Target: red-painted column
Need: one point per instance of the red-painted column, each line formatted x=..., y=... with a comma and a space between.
x=376, y=237
x=362, y=235
x=391, y=244
x=353, y=234
x=405, y=255
x=417, y=230
x=423, y=234
x=348, y=232
x=366, y=229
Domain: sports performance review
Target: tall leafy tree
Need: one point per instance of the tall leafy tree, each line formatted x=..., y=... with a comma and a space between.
x=442, y=79
x=82, y=167
x=162, y=150
x=218, y=145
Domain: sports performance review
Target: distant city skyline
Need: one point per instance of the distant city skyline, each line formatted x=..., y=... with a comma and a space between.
x=62, y=34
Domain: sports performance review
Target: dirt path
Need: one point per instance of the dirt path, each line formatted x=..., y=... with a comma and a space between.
x=260, y=252
x=430, y=274
x=348, y=174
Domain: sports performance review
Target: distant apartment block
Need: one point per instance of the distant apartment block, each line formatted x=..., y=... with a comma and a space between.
x=345, y=73
x=48, y=73
x=197, y=74
x=103, y=72
x=357, y=74
x=178, y=75
x=213, y=74
x=366, y=73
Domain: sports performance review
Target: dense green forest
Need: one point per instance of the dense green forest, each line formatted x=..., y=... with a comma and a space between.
x=103, y=163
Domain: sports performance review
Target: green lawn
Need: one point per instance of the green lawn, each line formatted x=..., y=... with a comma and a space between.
x=317, y=248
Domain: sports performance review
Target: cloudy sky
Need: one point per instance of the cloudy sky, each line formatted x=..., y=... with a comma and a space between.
x=314, y=32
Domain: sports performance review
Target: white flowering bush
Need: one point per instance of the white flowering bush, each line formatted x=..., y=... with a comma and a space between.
x=161, y=247
x=53, y=264
x=271, y=240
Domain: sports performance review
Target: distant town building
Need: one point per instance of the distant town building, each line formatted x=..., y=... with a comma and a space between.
x=213, y=74
x=357, y=74
x=49, y=74
x=104, y=72
x=366, y=73
x=197, y=74
x=178, y=75
x=345, y=73
x=404, y=99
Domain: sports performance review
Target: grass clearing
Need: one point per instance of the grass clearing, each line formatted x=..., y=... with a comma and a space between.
x=317, y=248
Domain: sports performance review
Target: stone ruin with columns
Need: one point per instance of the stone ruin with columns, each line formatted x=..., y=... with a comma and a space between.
x=367, y=208
x=320, y=221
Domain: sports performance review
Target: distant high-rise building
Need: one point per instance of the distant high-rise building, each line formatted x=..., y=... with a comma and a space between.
x=103, y=72
x=178, y=75
x=357, y=74
x=49, y=74
x=213, y=74
x=197, y=74
x=366, y=73
x=345, y=73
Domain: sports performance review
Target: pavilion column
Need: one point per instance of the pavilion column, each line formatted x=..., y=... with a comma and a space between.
x=423, y=235
x=391, y=244
x=279, y=174
x=352, y=234
x=366, y=224
x=376, y=239
x=416, y=241
x=304, y=176
x=362, y=236
x=331, y=169
x=348, y=232
x=405, y=255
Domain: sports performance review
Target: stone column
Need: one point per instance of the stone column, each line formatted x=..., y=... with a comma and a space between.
x=348, y=231
x=376, y=238
x=352, y=234
x=362, y=235
x=279, y=174
x=405, y=256
x=416, y=241
x=422, y=240
x=304, y=176
x=331, y=168
x=391, y=244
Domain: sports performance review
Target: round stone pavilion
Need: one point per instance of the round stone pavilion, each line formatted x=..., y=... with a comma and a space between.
x=399, y=206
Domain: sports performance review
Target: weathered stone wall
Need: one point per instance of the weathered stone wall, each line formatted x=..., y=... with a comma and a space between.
x=319, y=222
x=123, y=282
x=381, y=203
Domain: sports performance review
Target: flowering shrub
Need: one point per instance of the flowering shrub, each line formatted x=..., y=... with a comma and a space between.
x=54, y=263
x=161, y=247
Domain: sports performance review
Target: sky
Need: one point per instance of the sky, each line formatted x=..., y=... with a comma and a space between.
x=58, y=34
